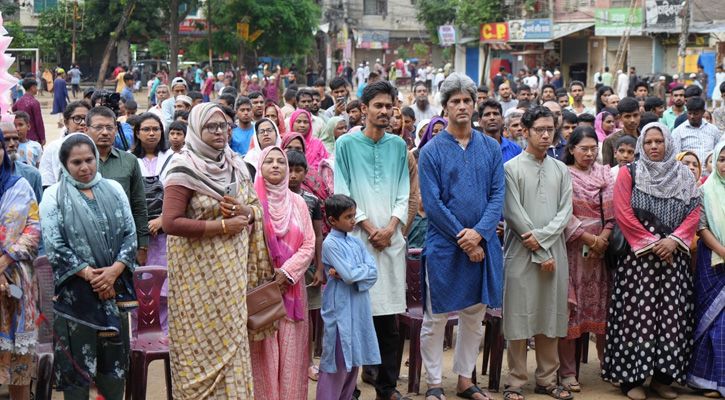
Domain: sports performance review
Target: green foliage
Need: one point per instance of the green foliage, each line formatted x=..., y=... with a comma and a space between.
x=158, y=48
x=15, y=30
x=464, y=13
x=403, y=53
x=421, y=50
x=287, y=25
x=436, y=12
x=8, y=7
x=473, y=13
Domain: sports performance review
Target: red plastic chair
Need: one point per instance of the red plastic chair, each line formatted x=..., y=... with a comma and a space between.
x=44, y=274
x=411, y=321
x=151, y=343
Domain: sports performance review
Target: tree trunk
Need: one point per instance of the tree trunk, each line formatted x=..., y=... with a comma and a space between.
x=174, y=38
x=130, y=5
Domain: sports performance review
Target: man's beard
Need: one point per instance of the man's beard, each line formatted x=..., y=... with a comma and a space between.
x=13, y=157
x=315, y=109
x=422, y=103
x=680, y=104
x=354, y=122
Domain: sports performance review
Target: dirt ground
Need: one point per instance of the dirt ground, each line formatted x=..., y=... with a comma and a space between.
x=593, y=388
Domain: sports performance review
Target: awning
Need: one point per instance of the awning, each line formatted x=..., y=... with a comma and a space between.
x=562, y=29
x=499, y=46
x=527, y=52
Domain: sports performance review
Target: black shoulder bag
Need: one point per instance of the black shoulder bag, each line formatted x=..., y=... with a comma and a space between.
x=155, y=192
x=618, y=245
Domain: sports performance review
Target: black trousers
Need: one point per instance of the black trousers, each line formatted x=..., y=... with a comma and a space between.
x=386, y=329
x=658, y=376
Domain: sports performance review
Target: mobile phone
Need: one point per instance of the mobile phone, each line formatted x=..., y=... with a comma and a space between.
x=585, y=251
x=15, y=291
x=340, y=99
x=232, y=190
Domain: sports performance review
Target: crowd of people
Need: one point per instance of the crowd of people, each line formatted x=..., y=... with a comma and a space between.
x=573, y=218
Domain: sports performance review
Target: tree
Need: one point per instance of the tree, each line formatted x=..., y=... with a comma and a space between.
x=434, y=13
x=465, y=13
x=175, y=18
x=287, y=25
x=9, y=7
x=128, y=10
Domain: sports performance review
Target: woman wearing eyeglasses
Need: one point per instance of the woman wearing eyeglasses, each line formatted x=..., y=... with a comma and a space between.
x=209, y=207
x=266, y=134
x=587, y=238
x=152, y=150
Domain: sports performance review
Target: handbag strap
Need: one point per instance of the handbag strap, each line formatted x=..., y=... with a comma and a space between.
x=163, y=167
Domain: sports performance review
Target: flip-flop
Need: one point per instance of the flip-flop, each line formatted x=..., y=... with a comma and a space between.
x=571, y=384
x=554, y=391
x=313, y=372
x=436, y=392
x=468, y=393
x=509, y=391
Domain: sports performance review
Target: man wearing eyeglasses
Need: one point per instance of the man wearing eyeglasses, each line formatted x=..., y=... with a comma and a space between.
x=537, y=208
x=123, y=168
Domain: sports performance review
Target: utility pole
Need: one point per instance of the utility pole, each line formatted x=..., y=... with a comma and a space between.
x=75, y=17
x=208, y=25
x=686, y=16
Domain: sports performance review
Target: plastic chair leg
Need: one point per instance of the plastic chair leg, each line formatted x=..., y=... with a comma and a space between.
x=487, y=337
x=585, y=347
x=448, y=338
x=494, y=378
x=402, y=330
x=167, y=367
x=416, y=360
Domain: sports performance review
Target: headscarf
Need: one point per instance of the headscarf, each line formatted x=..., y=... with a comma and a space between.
x=714, y=193
x=255, y=151
x=314, y=148
x=313, y=182
x=200, y=167
x=328, y=134
x=428, y=135
x=279, y=122
x=420, y=130
x=699, y=165
x=95, y=242
x=7, y=179
x=601, y=134
x=283, y=233
x=664, y=179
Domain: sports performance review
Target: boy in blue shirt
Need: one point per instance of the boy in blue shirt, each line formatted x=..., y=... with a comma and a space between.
x=349, y=339
x=28, y=150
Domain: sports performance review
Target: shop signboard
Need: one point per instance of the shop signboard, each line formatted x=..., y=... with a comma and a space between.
x=663, y=15
x=522, y=30
x=372, y=39
x=447, y=35
x=494, y=32
x=615, y=21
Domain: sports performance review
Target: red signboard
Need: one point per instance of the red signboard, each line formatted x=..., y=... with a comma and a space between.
x=496, y=32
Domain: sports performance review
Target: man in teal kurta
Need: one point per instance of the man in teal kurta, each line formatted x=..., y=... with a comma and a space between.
x=371, y=166
x=537, y=208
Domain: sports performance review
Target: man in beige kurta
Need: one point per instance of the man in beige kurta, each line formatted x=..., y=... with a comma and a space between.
x=537, y=208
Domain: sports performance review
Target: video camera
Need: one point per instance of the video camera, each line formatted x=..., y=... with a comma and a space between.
x=108, y=99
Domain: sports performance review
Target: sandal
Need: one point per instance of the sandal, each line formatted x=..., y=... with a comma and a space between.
x=468, y=393
x=712, y=394
x=313, y=372
x=436, y=392
x=571, y=384
x=553, y=391
x=507, y=392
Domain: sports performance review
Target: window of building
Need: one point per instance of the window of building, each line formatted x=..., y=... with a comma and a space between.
x=40, y=5
x=620, y=4
x=375, y=7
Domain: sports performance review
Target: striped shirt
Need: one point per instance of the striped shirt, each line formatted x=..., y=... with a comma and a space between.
x=700, y=140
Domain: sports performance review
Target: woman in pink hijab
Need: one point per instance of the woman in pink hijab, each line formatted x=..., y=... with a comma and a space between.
x=279, y=362
x=315, y=151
